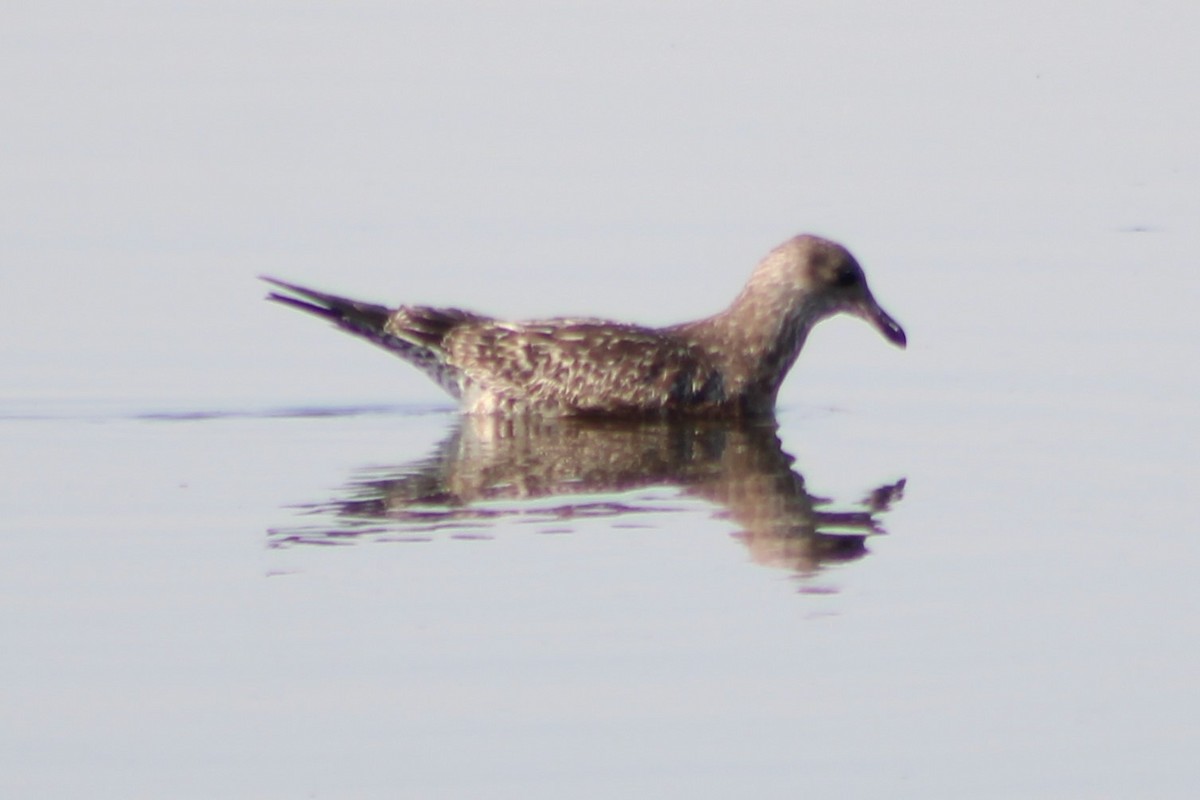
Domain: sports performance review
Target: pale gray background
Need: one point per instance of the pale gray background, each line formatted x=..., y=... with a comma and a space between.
x=1022, y=184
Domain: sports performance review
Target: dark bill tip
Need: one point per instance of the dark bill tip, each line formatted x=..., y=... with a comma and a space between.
x=887, y=326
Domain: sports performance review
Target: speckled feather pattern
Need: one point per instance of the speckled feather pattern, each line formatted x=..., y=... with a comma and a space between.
x=730, y=364
x=580, y=366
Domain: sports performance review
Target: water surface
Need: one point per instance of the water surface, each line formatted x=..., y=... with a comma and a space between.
x=245, y=556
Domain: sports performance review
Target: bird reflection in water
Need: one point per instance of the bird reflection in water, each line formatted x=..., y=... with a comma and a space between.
x=555, y=470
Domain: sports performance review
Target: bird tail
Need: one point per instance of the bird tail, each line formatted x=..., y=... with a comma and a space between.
x=414, y=333
x=361, y=319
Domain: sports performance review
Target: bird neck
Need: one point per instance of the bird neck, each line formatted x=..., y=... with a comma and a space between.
x=758, y=338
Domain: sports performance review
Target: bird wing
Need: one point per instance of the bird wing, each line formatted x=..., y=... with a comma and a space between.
x=584, y=365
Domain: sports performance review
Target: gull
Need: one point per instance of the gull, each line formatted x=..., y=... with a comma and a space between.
x=729, y=365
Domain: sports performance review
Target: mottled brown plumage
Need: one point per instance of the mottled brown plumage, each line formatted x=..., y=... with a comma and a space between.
x=729, y=364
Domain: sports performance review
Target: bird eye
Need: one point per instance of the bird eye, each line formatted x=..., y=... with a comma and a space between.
x=846, y=276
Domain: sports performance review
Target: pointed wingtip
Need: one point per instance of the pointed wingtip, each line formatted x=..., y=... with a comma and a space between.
x=327, y=300
x=276, y=296
x=281, y=284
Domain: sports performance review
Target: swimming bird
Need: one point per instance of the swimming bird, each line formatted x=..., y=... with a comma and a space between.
x=728, y=365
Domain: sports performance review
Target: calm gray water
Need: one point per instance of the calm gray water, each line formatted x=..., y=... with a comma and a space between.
x=245, y=556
